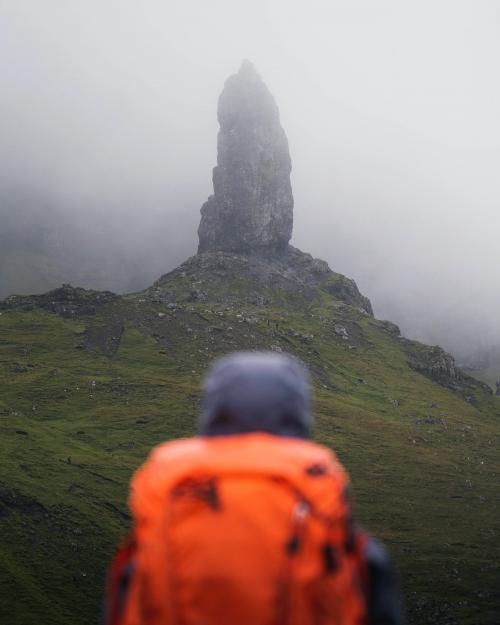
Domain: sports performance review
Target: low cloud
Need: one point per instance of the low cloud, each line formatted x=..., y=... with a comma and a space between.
x=108, y=138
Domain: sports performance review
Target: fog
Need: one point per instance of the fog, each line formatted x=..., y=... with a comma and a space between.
x=108, y=138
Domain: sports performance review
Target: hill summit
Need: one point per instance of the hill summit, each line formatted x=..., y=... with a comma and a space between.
x=247, y=224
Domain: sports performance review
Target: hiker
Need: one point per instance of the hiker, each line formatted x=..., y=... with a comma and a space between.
x=248, y=523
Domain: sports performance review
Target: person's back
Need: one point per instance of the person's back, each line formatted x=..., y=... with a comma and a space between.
x=249, y=523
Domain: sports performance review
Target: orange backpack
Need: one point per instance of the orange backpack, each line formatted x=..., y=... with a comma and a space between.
x=250, y=529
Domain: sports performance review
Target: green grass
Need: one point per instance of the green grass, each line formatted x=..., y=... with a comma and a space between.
x=76, y=420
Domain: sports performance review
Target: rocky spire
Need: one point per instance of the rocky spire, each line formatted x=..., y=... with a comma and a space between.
x=251, y=209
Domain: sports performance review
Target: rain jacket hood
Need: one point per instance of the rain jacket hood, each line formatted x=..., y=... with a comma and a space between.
x=256, y=392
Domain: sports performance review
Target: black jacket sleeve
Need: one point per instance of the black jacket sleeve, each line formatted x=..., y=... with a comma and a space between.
x=384, y=599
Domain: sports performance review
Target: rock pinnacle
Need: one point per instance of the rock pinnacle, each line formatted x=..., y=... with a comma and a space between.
x=251, y=210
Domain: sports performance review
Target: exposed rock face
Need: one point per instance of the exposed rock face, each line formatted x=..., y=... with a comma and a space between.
x=434, y=363
x=252, y=206
x=438, y=365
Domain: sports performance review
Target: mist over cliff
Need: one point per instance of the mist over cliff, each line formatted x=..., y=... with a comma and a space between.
x=107, y=126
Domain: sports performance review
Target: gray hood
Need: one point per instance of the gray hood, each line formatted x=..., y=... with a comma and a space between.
x=256, y=392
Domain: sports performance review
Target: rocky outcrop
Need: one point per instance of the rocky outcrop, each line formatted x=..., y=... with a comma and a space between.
x=436, y=364
x=440, y=367
x=66, y=301
x=251, y=209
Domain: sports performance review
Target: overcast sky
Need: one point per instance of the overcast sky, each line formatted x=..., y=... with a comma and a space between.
x=391, y=109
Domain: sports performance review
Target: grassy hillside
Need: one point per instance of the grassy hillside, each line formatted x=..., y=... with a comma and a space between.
x=90, y=381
